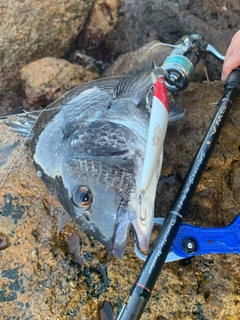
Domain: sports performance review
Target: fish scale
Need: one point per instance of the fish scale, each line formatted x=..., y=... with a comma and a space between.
x=115, y=177
x=98, y=134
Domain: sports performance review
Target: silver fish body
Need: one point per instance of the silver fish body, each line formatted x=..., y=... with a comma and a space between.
x=88, y=147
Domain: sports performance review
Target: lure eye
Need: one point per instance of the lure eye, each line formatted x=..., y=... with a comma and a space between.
x=82, y=197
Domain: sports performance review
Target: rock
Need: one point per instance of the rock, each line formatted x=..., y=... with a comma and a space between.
x=168, y=21
x=104, y=29
x=103, y=19
x=47, y=79
x=85, y=61
x=38, y=277
x=31, y=30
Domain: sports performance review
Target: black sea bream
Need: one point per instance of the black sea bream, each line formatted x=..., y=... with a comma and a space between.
x=88, y=147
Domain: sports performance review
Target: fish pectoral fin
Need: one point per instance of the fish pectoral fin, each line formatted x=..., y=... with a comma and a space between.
x=175, y=113
x=63, y=220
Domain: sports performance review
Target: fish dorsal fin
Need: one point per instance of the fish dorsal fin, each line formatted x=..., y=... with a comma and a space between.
x=136, y=86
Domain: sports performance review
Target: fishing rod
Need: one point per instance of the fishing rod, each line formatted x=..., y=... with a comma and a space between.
x=142, y=288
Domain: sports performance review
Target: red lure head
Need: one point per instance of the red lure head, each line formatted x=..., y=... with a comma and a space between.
x=160, y=91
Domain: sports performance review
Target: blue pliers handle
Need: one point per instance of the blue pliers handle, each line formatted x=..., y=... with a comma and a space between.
x=192, y=241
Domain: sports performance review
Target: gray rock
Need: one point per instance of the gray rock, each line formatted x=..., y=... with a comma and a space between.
x=102, y=20
x=168, y=21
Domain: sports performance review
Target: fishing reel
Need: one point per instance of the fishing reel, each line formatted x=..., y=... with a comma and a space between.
x=182, y=62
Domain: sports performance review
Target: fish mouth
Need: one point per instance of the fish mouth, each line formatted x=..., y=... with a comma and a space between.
x=126, y=218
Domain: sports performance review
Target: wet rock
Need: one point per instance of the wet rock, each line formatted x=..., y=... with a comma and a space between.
x=47, y=79
x=103, y=19
x=38, y=279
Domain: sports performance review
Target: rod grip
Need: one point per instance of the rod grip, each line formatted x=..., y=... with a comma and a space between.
x=233, y=80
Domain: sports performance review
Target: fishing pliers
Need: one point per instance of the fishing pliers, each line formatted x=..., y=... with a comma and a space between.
x=192, y=241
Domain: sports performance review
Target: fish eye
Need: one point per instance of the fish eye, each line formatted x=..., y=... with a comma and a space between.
x=82, y=197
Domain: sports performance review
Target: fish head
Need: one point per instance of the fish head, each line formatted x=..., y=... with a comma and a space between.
x=98, y=185
x=97, y=197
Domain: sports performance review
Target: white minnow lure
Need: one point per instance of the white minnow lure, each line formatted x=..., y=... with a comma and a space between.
x=156, y=131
